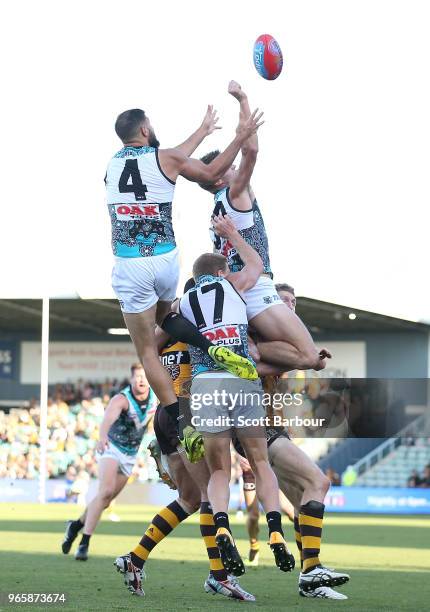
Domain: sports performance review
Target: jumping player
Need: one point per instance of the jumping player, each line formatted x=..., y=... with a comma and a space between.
x=191, y=480
x=285, y=340
x=124, y=423
x=216, y=307
x=140, y=184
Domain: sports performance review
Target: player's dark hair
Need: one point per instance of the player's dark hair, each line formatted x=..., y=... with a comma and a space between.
x=207, y=159
x=209, y=263
x=135, y=366
x=189, y=284
x=128, y=123
x=284, y=287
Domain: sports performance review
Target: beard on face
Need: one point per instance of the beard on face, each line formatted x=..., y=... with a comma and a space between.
x=152, y=140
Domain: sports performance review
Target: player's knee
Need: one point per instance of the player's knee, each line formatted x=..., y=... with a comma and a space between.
x=106, y=495
x=309, y=357
x=190, y=503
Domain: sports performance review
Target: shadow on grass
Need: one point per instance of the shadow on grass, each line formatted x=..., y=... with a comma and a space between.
x=177, y=585
x=363, y=535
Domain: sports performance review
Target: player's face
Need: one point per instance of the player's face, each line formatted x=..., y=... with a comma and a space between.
x=288, y=299
x=139, y=381
x=152, y=139
x=229, y=175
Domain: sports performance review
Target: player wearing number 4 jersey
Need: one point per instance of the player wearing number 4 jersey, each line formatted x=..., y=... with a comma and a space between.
x=285, y=340
x=140, y=183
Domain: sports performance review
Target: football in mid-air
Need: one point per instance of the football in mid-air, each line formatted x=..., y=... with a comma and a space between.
x=268, y=59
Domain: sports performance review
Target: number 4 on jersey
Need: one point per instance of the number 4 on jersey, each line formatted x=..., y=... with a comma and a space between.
x=131, y=170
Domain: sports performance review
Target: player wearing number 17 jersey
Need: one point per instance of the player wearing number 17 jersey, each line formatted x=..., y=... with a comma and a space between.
x=140, y=183
x=216, y=306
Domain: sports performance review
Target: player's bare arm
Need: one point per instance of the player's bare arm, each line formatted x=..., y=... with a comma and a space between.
x=207, y=127
x=113, y=410
x=253, y=264
x=240, y=193
x=175, y=163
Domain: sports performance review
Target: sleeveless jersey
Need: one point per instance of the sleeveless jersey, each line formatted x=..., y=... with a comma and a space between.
x=251, y=227
x=175, y=357
x=139, y=199
x=128, y=430
x=219, y=312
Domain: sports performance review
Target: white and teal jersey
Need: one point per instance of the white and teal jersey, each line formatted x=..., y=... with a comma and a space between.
x=219, y=312
x=139, y=198
x=250, y=226
x=128, y=430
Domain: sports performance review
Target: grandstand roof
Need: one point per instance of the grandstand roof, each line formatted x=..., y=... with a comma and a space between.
x=95, y=317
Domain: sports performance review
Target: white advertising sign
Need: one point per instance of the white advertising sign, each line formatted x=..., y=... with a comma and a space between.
x=348, y=360
x=71, y=361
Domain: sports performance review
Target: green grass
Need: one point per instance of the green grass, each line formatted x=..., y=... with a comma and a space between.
x=387, y=557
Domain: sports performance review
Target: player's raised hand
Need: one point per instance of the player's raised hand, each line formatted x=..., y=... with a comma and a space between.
x=102, y=444
x=251, y=126
x=235, y=90
x=210, y=120
x=223, y=226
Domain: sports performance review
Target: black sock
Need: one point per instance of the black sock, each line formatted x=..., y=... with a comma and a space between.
x=221, y=520
x=179, y=328
x=173, y=410
x=274, y=522
x=85, y=540
x=76, y=525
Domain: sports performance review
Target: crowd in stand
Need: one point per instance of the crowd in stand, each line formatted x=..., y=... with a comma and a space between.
x=417, y=480
x=74, y=415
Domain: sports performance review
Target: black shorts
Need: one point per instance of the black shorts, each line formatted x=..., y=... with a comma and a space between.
x=165, y=430
x=272, y=434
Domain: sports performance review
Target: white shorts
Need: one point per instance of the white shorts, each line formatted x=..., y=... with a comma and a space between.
x=262, y=295
x=140, y=282
x=125, y=462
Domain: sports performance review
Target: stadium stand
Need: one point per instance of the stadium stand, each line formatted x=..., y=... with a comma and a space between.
x=396, y=468
x=73, y=423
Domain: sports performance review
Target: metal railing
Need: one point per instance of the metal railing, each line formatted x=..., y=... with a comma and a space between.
x=384, y=449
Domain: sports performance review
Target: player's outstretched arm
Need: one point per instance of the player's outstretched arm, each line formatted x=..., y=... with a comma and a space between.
x=248, y=276
x=240, y=191
x=235, y=90
x=208, y=125
x=113, y=410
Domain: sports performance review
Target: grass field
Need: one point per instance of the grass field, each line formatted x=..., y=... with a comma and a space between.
x=388, y=559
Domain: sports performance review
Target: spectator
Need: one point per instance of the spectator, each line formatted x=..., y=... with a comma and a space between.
x=414, y=479
x=425, y=483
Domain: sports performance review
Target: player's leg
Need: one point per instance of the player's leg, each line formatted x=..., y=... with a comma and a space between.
x=285, y=340
x=111, y=483
x=286, y=506
x=218, y=581
x=255, y=446
x=253, y=515
x=218, y=457
x=295, y=467
x=142, y=332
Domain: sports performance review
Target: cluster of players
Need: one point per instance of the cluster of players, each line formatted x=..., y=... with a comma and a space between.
x=233, y=330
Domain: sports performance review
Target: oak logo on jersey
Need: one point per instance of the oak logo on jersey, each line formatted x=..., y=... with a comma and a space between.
x=131, y=212
x=226, y=335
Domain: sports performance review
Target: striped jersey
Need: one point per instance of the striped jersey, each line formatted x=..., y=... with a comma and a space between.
x=128, y=430
x=251, y=227
x=175, y=357
x=139, y=198
x=219, y=312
